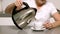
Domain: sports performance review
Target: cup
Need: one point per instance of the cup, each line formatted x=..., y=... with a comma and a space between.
x=38, y=26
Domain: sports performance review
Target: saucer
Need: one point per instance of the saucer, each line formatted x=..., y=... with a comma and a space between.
x=38, y=29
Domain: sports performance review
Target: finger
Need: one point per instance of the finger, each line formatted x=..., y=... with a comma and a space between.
x=47, y=25
x=50, y=25
x=18, y=3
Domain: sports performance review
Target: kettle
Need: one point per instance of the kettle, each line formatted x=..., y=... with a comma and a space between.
x=21, y=18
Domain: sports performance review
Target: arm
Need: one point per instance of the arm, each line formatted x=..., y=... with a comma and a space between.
x=56, y=16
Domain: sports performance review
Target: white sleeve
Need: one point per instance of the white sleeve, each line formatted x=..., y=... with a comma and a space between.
x=53, y=9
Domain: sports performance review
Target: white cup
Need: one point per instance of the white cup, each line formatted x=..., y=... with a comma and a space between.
x=38, y=26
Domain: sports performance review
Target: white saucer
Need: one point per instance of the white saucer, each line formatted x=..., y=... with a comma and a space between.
x=38, y=29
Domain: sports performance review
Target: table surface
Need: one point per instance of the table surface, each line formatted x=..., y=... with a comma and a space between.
x=27, y=30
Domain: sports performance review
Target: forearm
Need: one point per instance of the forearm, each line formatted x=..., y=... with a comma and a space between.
x=56, y=24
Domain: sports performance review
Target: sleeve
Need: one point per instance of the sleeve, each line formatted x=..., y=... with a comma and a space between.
x=53, y=9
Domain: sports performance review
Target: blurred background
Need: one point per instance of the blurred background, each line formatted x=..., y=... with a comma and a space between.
x=5, y=3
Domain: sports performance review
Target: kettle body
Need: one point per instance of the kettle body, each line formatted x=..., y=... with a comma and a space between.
x=23, y=17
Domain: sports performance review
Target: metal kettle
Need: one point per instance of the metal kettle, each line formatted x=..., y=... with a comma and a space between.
x=23, y=17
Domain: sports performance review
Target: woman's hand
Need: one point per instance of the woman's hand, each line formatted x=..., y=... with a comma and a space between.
x=18, y=3
x=49, y=25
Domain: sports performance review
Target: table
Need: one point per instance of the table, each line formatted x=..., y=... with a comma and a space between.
x=15, y=30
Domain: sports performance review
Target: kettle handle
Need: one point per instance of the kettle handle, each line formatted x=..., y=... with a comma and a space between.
x=16, y=11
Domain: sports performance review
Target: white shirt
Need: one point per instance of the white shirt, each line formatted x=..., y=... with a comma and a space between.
x=46, y=11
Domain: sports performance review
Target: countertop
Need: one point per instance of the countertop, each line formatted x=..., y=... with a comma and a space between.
x=14, y=30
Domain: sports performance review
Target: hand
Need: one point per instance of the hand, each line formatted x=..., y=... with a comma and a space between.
x=48, y=25
x=18, y=3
